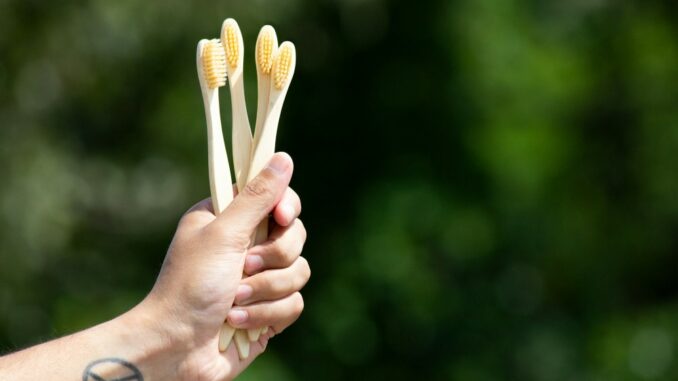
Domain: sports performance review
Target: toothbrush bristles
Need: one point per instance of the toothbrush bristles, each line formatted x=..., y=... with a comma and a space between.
x=214, y=64
x=264, y=52
x=282, y=65
x=232, y=46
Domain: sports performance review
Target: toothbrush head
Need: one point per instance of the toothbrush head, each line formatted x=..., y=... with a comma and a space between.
x=267, y=44
x=213, y=63
x=233, y=42
x=283, y=65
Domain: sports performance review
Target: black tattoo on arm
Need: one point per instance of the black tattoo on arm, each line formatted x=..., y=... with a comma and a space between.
x=111, y=369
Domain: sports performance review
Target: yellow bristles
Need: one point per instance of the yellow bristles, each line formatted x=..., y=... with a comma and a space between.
x=282, y=65
x=214, y=64
x=232, y=45
x=264, y=52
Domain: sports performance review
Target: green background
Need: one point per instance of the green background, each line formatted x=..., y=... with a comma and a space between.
x=490, y=186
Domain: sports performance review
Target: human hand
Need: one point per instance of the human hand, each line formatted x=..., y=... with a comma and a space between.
x=201, y=276
x=276, y=272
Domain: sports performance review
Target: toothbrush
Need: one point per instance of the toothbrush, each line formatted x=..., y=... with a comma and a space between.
x=234, y=49
x=283, y=63
x=211, y=65
x=212, y=75
x=282, y=69
x=266, y=48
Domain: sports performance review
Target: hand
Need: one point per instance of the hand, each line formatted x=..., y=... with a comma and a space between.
x=173, y=333
x=201, y=276
x=277, y=273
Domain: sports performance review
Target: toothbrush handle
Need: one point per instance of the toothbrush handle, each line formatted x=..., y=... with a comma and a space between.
x=220, y=179
x=225, y=336
x=238, y=336
x=219, y=171
x=241, y=133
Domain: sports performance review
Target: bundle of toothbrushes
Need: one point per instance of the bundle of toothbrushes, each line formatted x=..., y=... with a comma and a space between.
x=220, y=61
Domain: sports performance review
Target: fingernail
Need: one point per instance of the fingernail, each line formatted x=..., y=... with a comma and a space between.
x=253, y=263
x=237, y=316
x=243, y=292
x=279, y=163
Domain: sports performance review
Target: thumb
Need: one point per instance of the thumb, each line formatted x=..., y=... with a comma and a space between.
x=259, y=196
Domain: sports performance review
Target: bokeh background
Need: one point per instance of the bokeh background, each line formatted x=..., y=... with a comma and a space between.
x=490, y=186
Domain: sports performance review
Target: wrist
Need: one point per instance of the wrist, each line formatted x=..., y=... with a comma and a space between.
x=158, y=344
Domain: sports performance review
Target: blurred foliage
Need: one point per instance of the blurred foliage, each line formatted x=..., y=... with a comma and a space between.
x=490, y=186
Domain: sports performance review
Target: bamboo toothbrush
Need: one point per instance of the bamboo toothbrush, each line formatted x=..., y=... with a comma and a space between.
x=211, y=64
x=266, y=48
x=234, y=49
x=282, y=69
x=212, y=75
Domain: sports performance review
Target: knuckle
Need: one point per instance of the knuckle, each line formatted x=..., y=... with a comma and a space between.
x=185, y=217
x=290, y=255
x=188, y=220
x=255, y=315
x=258, y=187
x=306, y=269
x=260, y=314
x=302, y=230
x=303, y=275
x=296, y=199
x=298, y=282
x=298, y=303
x=238, y=242
x=277, y=285
x=284, y=251
x=255, y=188
x=185, y=223
x=281, y=254
x=289, y=285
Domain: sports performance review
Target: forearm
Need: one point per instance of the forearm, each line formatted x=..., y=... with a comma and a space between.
x=124, y=347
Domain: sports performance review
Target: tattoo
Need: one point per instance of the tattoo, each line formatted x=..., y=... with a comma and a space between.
x=111, y=369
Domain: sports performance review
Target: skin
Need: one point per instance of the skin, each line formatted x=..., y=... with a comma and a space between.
x=173, y=333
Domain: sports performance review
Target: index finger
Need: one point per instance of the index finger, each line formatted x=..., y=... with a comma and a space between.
x=288, y=209
x=199, y=215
